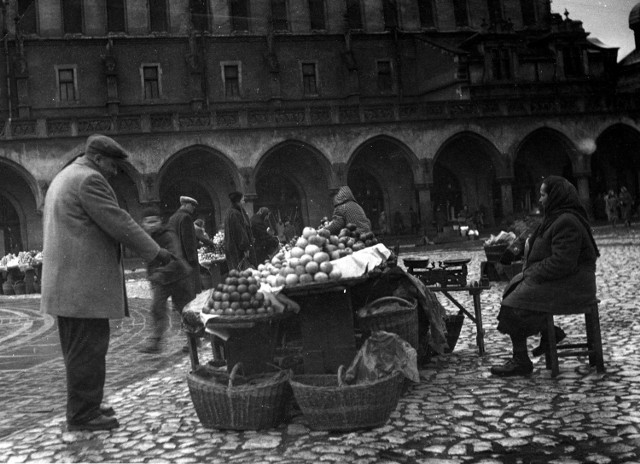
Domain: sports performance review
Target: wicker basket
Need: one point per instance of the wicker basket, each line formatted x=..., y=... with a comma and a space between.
x=400, y=316
x=247, y=403
x=328, y=404
x=495, y=252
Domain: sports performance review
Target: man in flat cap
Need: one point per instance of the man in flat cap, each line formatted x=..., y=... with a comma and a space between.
x=182, y=224
x=83, y=275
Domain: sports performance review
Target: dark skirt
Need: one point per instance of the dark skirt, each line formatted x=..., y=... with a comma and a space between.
x=520, y=322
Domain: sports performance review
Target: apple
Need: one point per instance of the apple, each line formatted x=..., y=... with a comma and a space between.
x=335, y=255
x=311, y=249
x=297, y=252
x=335, y=274
x=326, y=267
x=305, y=259
x=320, y=277
x=301, y=243
x=308, y=232
x=291, y=279
x=306, y=278
x=312, y=267
x=321, y=257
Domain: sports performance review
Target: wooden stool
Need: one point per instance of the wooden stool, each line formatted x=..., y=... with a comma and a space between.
x=592, y=347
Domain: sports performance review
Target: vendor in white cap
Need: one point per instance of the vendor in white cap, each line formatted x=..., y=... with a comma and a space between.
x=182, y=223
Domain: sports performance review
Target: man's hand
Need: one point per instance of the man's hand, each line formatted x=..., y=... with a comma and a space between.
x=164, y=257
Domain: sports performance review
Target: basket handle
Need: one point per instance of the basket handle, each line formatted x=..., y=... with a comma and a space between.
x=234, y=372
x=341, y=376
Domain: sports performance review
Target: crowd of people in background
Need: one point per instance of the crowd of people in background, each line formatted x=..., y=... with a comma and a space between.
x=619, y=207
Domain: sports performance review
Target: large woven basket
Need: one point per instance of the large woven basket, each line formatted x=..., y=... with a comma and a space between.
x=328, y=404
x=399, y=316
x=227, y=401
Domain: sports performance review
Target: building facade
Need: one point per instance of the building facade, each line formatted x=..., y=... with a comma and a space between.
x=418, y=105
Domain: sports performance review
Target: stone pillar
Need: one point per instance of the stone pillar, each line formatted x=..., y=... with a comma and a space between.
x=250, y=200
x=195, y=68
x=582, y=180
x=425, y=209
x=507, y=195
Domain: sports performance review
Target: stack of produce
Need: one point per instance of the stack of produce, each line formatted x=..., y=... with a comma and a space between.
x=308, y=259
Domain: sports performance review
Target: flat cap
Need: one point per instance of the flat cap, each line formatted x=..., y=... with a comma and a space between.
x=106, y=146
x=184, y=200
x=235, y=197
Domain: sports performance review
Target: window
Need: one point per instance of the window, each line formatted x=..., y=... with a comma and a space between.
x=385, y=81
x=572, y=61
x=72, y=14
x=528, y=12
x=460, y=12
x=309, y=80
x=199, y=14
x=231, y=78
x=239, y=11
x=27, y=16
x=67, y=85
x=427, y=14
x=158, y=16
x=316, y=15
x=115, y=16
x=354, y=14
x=495, y=11
x=279, y=15
x=501, y=64
x=390, y=14
x=151, y=81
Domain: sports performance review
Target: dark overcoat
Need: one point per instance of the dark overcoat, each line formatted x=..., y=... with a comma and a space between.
x=347, y=211
x=559, y=269
x=237, y=235
x=182, y=224
x=84, y=227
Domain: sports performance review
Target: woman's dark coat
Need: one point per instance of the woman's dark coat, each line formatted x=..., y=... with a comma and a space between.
x=347, y=211
x=559, y=269
x=265, y=243
x=237, y=235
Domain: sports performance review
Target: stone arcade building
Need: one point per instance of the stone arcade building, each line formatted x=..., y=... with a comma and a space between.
x=416, y=104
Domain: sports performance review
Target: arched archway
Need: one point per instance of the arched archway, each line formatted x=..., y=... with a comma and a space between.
x=542, y=153
x=20, y=223
x=381, y=176
x=292, y=179
x=201, y=173
x=614, y=164
x=464, y=173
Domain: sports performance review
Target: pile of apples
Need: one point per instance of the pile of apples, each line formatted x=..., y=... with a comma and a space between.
x=309, y=259
x=238, y=295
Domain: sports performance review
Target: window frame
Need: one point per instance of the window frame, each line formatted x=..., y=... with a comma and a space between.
x=316, y=78
x=21, y=13
x=324, y=16
x=65, y=67
x=247, y=5
x=124, y=18
x=62, y=13
x=434, y=14
x=391, y=88
x=286, y=18
x=143, y=81
x=166, y=17
x=238, y=65
x=360, y=14
x=457, y=15
x=500, y=56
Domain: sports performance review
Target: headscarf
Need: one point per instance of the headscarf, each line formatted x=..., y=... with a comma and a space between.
x=562, y=197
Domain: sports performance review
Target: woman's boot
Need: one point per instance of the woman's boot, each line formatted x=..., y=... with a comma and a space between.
x=519, y=364
x=544, y=342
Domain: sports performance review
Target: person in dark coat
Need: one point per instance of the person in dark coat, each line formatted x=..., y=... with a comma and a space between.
x=559, y=271
x=265, y=242
x=83, y=284
x=182, y=224
x=238, y=239
x=201, y=234
x=170, y=280
x=347, y=211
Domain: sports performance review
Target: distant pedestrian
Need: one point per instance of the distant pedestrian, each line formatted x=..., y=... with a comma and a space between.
x=182, y=224
x=238, y=238
x=201, y=233
x=265, y=242
x=83, y=276
x=441, y=218
x=168, y=280
x=626, y=205
x=398, y=223
x=382, y=224
x=611, y=208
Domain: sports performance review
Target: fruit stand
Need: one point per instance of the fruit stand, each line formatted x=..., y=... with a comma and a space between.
x=20, y=274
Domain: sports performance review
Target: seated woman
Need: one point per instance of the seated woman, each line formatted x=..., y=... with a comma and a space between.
x=559, y=270
x=347, y=211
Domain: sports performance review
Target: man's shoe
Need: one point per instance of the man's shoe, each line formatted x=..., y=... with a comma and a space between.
x=107, y=411
x=544, y=343
x=101, y=422
x=512, y=368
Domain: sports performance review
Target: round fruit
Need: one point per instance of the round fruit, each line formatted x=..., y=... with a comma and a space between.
x=231, y=288
x=235, y=305
x=300, y=269
x=242, y=281
x=335, y=274
x=249, y=272
x=317, y=240
x=224, y=305
x=296, y=252
x=321, y=257
x=217, y=305
x=305, y=259
x=246, y=296
x=306, y=278
x=261, y=310
x=217, y=296
x=242, y=288
x=253, y=289
x=335, y=255
x=240, y=312
x=302, y=242
x=245, y=304
x=234, y=273
x=224, y=297
x=334, y=240
x=320, y=277
x=220, y=287
x=285, y=271
x=324, y=233
x=293, y=262
x=326, y=267
x=250, y=311
x=344, y=233
x=280, y=281
x=235, y=296
x=229, y=311
x=291, y=279
x=308, y=232
x=255, y=304
x=311, y=249
x=312, y=267
x=259, y=296
x=351, y=226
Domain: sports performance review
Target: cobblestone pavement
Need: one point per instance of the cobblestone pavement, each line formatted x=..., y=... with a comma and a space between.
x=457, y=414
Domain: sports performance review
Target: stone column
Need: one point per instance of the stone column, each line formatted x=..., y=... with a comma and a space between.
x=425, y=208
x=507, y=195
